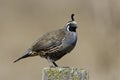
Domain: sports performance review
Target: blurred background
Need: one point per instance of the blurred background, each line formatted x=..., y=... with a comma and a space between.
x=98, y=46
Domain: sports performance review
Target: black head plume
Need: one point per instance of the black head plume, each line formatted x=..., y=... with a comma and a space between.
x=72, y=17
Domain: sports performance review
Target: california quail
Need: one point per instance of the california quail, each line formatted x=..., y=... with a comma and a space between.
x=54, y=45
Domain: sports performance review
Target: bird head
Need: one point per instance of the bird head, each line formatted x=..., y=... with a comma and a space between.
x=71, y=25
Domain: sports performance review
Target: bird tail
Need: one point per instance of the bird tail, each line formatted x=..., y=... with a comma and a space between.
x=26, y=54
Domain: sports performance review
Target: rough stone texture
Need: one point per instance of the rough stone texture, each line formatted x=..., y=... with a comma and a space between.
x=64, y=73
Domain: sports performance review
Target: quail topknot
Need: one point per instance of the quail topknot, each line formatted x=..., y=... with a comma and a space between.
x=55, y=44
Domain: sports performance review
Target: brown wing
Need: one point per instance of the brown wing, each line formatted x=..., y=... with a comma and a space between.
x=49, y=41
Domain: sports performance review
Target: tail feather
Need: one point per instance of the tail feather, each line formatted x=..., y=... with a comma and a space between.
x=26, y=54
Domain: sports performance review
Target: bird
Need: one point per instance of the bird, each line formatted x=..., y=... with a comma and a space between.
x=55, y=44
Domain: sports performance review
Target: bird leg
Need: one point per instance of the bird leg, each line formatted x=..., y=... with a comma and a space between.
x=55, y=64
x=52, y=63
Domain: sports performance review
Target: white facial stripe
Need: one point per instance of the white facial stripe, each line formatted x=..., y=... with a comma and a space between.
x=68, y=28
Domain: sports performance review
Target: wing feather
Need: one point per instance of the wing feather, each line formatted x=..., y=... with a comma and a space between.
x=49, y=41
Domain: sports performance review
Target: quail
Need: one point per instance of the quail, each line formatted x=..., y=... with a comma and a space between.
x=55, y=44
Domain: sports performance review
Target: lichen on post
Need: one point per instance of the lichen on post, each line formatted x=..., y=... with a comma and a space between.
x=64, y=73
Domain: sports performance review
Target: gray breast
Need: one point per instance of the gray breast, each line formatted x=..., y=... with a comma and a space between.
x=68, y=43
x=70, y=39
